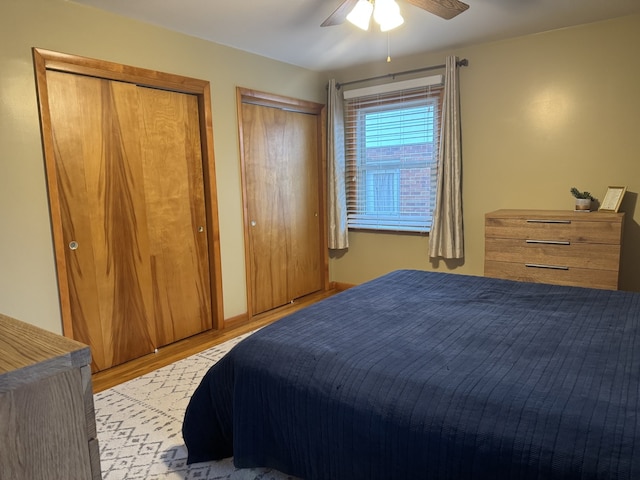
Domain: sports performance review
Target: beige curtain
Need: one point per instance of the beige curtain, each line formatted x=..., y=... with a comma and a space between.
x=336, y=194
x=446, y=238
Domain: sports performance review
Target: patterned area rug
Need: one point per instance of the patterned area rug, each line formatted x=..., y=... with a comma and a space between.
x=139, y=426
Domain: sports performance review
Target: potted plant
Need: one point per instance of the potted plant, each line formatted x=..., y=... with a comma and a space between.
x=583, y=200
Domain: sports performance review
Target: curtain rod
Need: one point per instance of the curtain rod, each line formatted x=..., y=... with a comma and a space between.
x=461, y=63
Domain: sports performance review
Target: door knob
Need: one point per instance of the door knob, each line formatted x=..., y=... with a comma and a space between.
x=73, y=245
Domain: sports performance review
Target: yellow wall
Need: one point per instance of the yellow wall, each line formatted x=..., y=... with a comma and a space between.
x=28, y=288
x=540, y=114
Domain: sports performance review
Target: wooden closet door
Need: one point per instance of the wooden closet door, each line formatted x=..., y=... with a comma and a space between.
x=103, y=207
x=131, y=199
x=175, y=213
x=280, y=152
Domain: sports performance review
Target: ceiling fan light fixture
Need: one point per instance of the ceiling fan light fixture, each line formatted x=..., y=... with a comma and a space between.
x=386, y=13
x=384, y=8
x=391, y=22
x=360, y=16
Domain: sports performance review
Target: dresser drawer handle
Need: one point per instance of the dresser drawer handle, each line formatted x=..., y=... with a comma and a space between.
x=549, y=242
x=552, y=267
x=549, y=221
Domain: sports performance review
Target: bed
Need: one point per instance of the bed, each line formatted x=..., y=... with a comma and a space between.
x=421, y=375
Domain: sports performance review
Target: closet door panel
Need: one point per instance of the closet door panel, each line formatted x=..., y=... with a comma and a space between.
x=103, y=205
x=176, y=214
x=281, y=179
x=268, y=205
x=301, y=164
x=77, y=207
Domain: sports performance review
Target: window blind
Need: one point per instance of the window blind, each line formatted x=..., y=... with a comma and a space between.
x=392, y=137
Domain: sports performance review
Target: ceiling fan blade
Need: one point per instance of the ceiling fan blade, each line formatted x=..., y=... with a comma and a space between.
x=339, y=15
x=446, y=9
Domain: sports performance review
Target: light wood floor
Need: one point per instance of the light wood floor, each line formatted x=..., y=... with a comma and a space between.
x=192, y=345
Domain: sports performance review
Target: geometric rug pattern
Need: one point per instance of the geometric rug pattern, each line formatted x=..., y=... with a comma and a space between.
x=139, y=426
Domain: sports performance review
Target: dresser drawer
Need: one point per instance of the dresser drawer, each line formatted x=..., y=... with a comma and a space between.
x=575, y=231
x=555, y=253
x=580, y=277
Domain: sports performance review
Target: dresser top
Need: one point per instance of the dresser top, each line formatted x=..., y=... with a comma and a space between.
x=558, y=214
x=28, y=353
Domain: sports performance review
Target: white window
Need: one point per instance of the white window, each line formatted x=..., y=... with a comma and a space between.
x=391, y=154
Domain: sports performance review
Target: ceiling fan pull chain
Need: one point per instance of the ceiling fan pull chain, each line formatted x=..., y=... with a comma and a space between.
x=388, y=48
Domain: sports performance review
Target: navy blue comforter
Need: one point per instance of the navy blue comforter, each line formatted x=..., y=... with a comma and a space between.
x=422, y=375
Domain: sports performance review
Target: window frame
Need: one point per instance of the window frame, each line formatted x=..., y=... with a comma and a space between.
x=357, y=204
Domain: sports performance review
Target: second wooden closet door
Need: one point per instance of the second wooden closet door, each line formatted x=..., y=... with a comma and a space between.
x=281, y=170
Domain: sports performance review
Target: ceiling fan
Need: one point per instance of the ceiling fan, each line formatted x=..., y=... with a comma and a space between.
x=446, y=9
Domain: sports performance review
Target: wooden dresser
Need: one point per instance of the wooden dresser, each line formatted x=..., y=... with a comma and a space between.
x=47, y=420
x=554, y=246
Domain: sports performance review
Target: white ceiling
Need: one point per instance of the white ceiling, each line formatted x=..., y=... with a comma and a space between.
x=289, y=30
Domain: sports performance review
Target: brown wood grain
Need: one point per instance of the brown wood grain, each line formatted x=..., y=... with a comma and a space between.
x=91, y=67
x=211, y=203
x=573, y=276
x=104, y=211
x=46, y=407
x=554, y=246
x=175, y=202
x=76, y=207
x=39, y=443
x=281, y=157
x=446, y=9
x=114, y=283
x=585, y=255
x=578, y=231
x=24, y=346
x=268, y=206
x=303, y=183
x=125, y=279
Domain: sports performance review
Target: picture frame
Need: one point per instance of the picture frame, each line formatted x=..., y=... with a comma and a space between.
x=613, y=199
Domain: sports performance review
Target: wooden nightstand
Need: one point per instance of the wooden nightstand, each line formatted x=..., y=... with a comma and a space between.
x=46, y=406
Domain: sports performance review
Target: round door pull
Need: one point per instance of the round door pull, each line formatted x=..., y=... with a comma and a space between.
x=73, y=245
